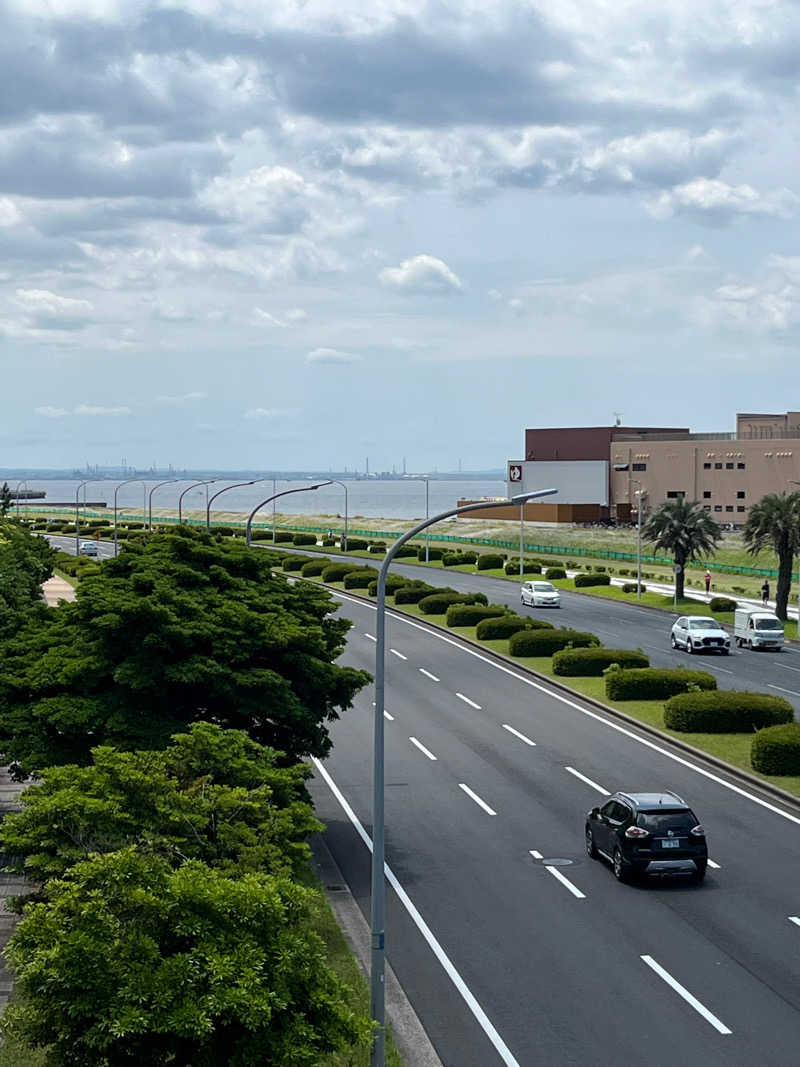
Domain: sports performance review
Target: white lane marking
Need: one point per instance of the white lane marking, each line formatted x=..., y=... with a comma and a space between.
x=624, y=730
x=477, y=799
x=588, y=781
x=556, y=873
x=516, y=733
x=398, y=654
x=422, y=748
x=466, y=700
x=782, y=690
x=701, y=1009
x=428, y=674
x=386, y=715
x=794, y=919
x=480, y=1015
x=797, y=669
x=536, y=855
x=370, y=637
x=713, y=667
x=714, y=866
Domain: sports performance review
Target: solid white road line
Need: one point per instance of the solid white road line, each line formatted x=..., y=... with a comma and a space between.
x=370, y=637
x=428, y=674
x=480, y=1015
x=588, y=781
x=797, y=669
x=782, y=690
x=794, y=919
x=714, y=667
x=516, y=733
x=422, y=748
x=608, y=723
x=701, y=1009
x=466, y=700
x=477, y=799
x=398, y=654
x=556, y=873
x=714, y=866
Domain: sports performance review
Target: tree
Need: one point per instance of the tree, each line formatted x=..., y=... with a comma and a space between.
x=686, y=531
x=212, y=795
x=774, y=522
x=130, y=962
x=25, y=562
x=176, y=630
x=5, y=500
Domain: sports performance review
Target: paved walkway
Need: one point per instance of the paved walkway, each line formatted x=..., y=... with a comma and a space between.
x=55, y=589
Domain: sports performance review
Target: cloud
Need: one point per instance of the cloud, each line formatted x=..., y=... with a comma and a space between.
x=715, y=201
x=272, y=413
x=91, y=410
x=180, y=400
x=421, y=274
x=49, y=311
x=331, y=355
x=51, y=412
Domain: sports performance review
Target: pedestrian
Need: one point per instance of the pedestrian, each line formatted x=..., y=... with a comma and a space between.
x=765, y=592
x=708, y=580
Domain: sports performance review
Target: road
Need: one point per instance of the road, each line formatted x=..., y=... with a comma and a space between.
x=489, y=775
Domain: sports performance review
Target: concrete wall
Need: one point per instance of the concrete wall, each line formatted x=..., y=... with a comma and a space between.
x=577, y=481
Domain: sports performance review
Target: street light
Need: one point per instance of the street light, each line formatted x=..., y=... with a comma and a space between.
x=194, y=485
x=225, y=489
x=639, y=494
x=169, y=481
x=334, y=481
x=378, y=891
x=117, y=488
x=77, y=524
x=286, y=492
x=22, y=481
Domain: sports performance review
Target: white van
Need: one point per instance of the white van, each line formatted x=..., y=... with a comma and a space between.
x=757, y=628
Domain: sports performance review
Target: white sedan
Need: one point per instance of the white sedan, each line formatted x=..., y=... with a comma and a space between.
x=540, y=595
x=698, y=633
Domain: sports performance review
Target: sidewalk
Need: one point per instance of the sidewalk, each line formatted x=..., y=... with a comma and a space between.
x=55, y=589
x=697, y=594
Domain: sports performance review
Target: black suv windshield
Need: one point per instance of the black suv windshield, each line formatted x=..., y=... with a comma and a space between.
x=660, y=821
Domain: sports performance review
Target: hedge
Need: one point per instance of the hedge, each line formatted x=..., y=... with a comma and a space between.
x=725, y=712
x=314, y=568
x=295, y=563
x=404, y=551
x=378, y=548
x=304, y=539
x=393, y=583
x=776, y=749
x=540, y=642
x=630, y=587
x=506, y=625
x=413, y=592
x=260, y=535
x=328, y=542
x=555, y=572
x=655, y=683
x=472, y=614
x=356, y=544
x=581, y=580
x=433, y=553
x=283, y=536
x=722, y=603
x=490, y=561
x=335, y=572
x=459, y=559
x=438, y=602
x=360, y=578
x=528, y=567
x=591, y=662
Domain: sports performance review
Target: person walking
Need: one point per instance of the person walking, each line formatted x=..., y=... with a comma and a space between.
x=765, y=592
x=708, y=580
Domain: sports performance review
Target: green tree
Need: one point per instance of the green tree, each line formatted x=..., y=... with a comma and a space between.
x=683, y=529
x=176, y=630
x=5, y=500
x=212, y=795
x=25, y=562
x=774, y=522
x=130, y=963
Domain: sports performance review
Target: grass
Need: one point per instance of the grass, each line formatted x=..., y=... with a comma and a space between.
x=73, y=581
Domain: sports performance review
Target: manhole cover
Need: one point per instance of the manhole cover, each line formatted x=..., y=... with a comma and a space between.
x=557, y=863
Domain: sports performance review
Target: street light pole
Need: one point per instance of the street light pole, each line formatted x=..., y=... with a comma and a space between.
x=521, y=541
x=77, y=524
x=117, y=488
x=225, y=489
x=22, y=481
x=335, y=481
x=378, y=890
x=194, y=485
x=286, y=492
x=169, y=481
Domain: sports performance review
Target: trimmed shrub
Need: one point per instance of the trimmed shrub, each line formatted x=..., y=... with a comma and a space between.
x=722, y=603
x=459, y=559
x=528, y=567
x=404, y=551
x=260, y=535
x=725, y=712
x=328, y=542
x=555, y=572
x=377, y=548
x=135, y=525
x=776, y=749
x=582, y=580
x=599, y=569
x=490, y=561
x=220, y=531
x=655, y=683
x=295, y=563
x=360, y=578
x=630, y=587
x=591, y=662
x=506, y=625
x=413, y=592
x=314, y=568
x=540, y=642
x=356, y=544
x=283, y=536
x=472, y=614
x=437, y=603
x=335, y=572
x=304, y=539
x=433, y=553
x=393, y=583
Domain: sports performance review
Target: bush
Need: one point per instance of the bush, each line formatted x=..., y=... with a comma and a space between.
x=378, y=548
x=314, y=568
x=555, y=572
x=506, y=625
x=725, y=712
x=490, y=561
x=295, y=563
x=722, y=603
x=433, y=553
x=459, y=559
x=283, y=536
x=356, y=544
x=624, y=572
x=328, y=542
x=413, y=592
x=335, y=572
x=591, y=662
x=528, y=567
x=393, y=583
x=135, y=525
x=360, y=578
x=776, y=749
x=540, y=642
x=630, y=587
x=221, y=531
x=655, y=683
x=472, y=614
x=304, y=539
x=404, y=551
x=582, y=580
x=437, y=603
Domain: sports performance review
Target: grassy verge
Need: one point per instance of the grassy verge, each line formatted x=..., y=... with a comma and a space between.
x=70, y=580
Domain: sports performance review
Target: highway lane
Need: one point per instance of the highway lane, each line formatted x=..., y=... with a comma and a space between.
x=561, y=976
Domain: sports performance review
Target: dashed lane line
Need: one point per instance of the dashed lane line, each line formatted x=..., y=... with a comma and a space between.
x=466, y=700
x=692, y=1001
x=477, y=799
x=428, y=674
x=516, y=733
x=425, y=751
x=588, y=781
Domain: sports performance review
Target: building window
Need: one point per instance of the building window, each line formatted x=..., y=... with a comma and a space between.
x=639, y=466
x=676, y=494
x=706, y=466
x=706, y=507
x=718, y=507
x=717, y=466
x=729, y=507
x=707, y=495
x=740, y=466
x=740, y=508
x=728, y=466
x=740, y=495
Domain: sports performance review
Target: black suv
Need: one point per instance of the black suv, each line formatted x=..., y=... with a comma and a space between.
x=647, y=833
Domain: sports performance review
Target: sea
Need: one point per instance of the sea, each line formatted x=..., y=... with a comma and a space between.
x=368, y=498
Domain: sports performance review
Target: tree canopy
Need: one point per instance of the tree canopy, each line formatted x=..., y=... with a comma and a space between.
x=25, y=562
x=176, y=630
x=682, y=528
x=774, y=522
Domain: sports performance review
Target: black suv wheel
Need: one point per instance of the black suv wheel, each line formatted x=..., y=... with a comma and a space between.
x=621, y=872
x=591, y=850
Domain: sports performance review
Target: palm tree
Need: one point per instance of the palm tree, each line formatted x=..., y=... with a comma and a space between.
x=775, y=522
x=685, y=530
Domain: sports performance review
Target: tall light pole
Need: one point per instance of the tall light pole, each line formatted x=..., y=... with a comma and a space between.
x=286, y=492
x=335, y=481
x=77, y=524
x=378, y=891
x=194, y=485
x=117, y=488
x=225, y=489
x=639, y=494
x=521, y=541
x=168, y=481
x=22, y=481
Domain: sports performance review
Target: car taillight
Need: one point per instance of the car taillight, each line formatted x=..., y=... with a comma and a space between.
x=635, y=831
x=697, y=831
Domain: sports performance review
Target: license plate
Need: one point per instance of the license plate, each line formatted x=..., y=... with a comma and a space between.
x=674, y=843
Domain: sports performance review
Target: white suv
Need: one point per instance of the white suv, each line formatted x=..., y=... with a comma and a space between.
x=698, y=633
x=540, y=595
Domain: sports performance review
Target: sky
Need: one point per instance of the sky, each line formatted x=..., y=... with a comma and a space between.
x=304, y=233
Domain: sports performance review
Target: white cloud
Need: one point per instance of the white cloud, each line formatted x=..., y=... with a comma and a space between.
x=51, y=412
x=180, y=400
x=46, y=310
x=272, y=413
x=92, y=410
x=717, y=201
x=421, y=274
x=331, y=355
x=9, y=212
